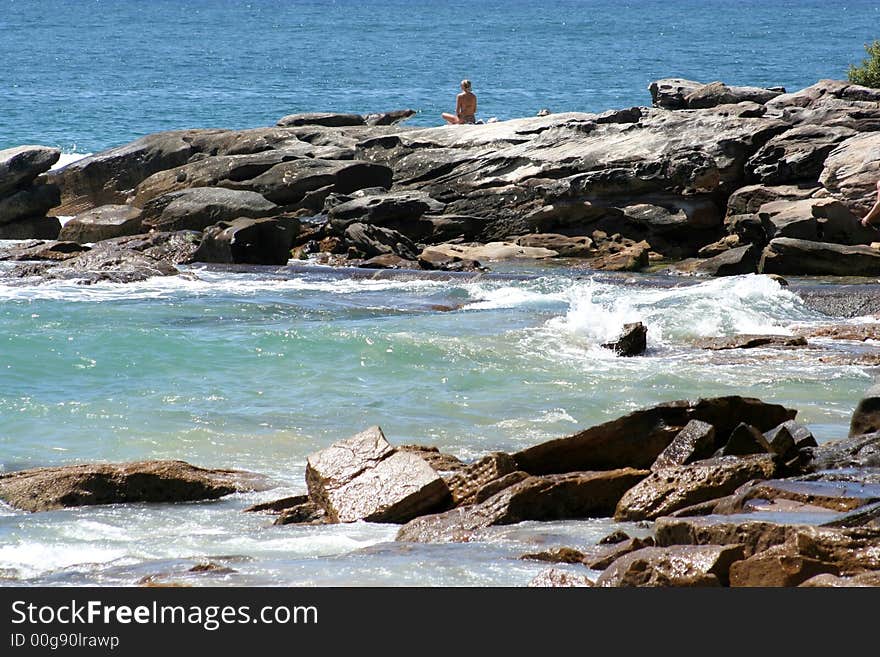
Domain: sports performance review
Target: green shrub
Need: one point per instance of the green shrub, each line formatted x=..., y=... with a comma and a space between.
x=868, y=74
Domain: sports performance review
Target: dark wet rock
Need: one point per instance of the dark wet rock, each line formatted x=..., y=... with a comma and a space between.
x=498, y=485
x=105, y=222
x=838, y=496
x=446, y=227
x=778, y=567
x=389, y=261
x=20, y=166
x=744, y=440
x=553, y=497
x=176, y=247
x=731, y=262
x=800, y=436
x=365, y=478
x=637, y=439
x=754, y=536
x=111, y=263
x=277, y=506
x=557, y=578
x=796, y=155
x=265, y=241
x=392, y=210
x=28, y=204
x=601, y=558
x=213, y=568
x=751, y=342
x=833, y=581
x=465, y=484
x=376, y=241
x=44, y=489
x=566, y=247
x=39, y=250
x=306, y=513
x=617, y=536
x=694, y=442
x=852, y=169
x=866, y=417
x=718, y=93
x=200, y=207
x=669, y=489
x=324, y=119
x=861, y=451
x=433, y=259
x=557, y=555
x=851, y=549
x=631, y=342
x=440, y=461
x=41, y=228
x=833, y=103
x=680, y=565
x=792, y=256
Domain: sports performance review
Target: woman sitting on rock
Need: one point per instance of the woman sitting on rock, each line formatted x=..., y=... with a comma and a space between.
x=465, y=106
x=873, y=216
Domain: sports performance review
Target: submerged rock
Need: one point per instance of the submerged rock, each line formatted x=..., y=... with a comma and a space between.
x=631, y=342
x=44, y=489
x=557, y=578
x=751, y=342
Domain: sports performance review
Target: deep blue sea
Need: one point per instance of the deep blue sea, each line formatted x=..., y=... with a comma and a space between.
x=258, y=371
x=89, y=74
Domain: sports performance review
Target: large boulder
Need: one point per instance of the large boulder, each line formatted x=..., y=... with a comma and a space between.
x=836, y=495
x=20, y=166
x=753, y=535
x=102, y=223
x=44, y=489
x=852, y=170
x=673, y=488
x=397, y=210
x=632, y=340
x=797, y=155
x=552, y=497
x=860, y=451
x=778, y=566
x=694, y=442
x=40, y=228
x=200, y=207
x=718, y=93
x=375, y=241
x=815, y=219
x=680, y=565
x=637, y=439
x=265, y=241
x=466, y=484
x=731, y=262
x=28, y=204
x=112, y=263
x=785, y=255
x=365, y=478
x=324, y=119
x=866, y=418
x=750, y=198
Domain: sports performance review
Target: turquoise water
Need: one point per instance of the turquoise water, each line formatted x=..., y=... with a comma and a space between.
x=255, y=371
x=89, y=74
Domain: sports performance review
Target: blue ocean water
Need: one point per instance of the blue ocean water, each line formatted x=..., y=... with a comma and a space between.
x=89, y=74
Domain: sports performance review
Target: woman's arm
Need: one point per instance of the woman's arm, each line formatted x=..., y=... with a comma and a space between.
x=458, y=105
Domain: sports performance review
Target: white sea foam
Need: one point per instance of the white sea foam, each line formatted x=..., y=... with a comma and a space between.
x=68, y=158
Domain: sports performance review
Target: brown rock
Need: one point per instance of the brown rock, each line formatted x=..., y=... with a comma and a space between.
x=557, y=555
x=277, y=506
x=44, y=489
x=695, y=441
x=554, y=577
x=440, y=461
x=745, y=440
x=854, y=452
x=777, y=566
x=102, y=223
x=601, y=558
x=465, y=484
x=841, y=496
x=785, y=255
x=633, y=258
x=832, y=581
x=566, y=247
x=669, y=489
x=365, y=478
x=264, y=241
x=754, y=536
x=553, y=497
x=306, y=513
x=683, y=565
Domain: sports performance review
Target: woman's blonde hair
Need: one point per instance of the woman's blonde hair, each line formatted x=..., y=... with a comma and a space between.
x=466, y=85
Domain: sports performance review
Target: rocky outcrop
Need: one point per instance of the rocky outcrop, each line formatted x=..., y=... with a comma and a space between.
x=785, y=255
x=552, y=497
x=694, y=442
x=25, y=198
x=102, y=223
x=372, y=241
x=797, y=155
x=833, y=103
x=754, y=536
x=200, y=207
x=861, y=451
x=776, y=567
x=637, y=439
x=676, y=93
x=852, y=170
x=704, y=565
x=365, y=478
x=751, y=342
x=44, y=489
x=669, y=489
